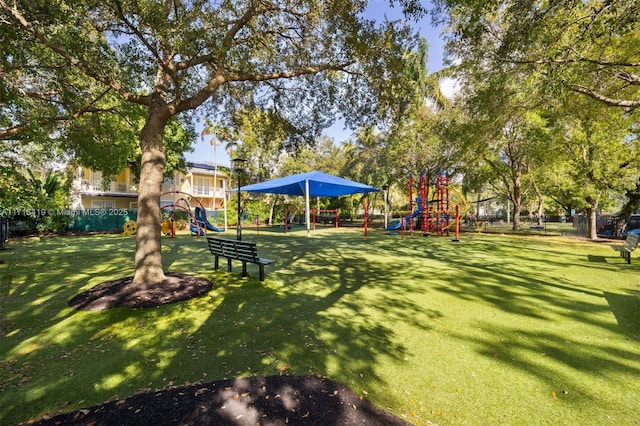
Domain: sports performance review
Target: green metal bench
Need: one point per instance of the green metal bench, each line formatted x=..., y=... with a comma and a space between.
x=630, y=244
x=244, y=251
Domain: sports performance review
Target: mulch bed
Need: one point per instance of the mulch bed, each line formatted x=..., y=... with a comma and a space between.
x=123, y=293
x=273, y=400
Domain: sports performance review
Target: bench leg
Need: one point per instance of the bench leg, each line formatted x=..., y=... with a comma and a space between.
x=261, y=272
x=244, y=268
x=217, y=263
x=229, y=264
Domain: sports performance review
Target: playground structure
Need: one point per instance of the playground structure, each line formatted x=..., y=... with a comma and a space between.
x=432, y=216
x=199, y=223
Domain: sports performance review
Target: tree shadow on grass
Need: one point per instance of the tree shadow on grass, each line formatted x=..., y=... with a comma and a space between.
x=591, y=359
x=626, y=308
x=60, y=359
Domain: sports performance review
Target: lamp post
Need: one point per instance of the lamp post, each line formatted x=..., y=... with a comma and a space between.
x=238, y=166
x=385, y=188
x=215, y=142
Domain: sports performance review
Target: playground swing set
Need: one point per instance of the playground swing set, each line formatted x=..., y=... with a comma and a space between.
x=434, y=216
x=199, y=223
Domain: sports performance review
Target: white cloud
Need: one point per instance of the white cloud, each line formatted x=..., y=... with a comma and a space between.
x=449, y=87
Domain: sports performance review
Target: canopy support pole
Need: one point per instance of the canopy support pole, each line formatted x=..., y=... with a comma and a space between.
x=224, y=205
x=307, y=207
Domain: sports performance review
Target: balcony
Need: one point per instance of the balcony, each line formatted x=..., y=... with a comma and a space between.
x=207, y=192
x=115, y=187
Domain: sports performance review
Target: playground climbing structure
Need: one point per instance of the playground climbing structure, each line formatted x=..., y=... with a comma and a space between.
x=433, y=216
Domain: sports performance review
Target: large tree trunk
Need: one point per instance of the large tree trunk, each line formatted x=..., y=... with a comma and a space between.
x=148, y=256
x=272, y=210
x=517, y=209
x=517, y=202
x=540, y=200
x=540, y=210
x=629, y=208
x=592, y=222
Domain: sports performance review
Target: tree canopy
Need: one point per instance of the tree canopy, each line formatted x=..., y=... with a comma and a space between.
x=148, y=62
x=574, y=64
x=589, y=47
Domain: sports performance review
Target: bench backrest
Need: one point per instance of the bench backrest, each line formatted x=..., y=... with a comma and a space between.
x=632, y=241
x=241, y=250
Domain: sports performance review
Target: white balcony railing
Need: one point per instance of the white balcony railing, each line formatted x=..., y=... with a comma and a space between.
x=208, y=192
x=113, y=187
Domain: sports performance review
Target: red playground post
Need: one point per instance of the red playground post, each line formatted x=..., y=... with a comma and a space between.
x=423, y=195
x=286, y=220
x=442, y=214
x=446, y=209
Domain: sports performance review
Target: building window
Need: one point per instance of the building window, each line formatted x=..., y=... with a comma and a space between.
x=95, y=204
x=95, y=181
x=202, y=186
x=133, y=205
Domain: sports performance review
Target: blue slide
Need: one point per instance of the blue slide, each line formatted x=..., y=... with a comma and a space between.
x=398, y=224
x=202, y=223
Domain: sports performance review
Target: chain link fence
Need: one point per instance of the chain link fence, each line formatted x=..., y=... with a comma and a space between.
x=4, y=231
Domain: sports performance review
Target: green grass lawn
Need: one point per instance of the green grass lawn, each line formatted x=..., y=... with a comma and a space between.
x=495, y=329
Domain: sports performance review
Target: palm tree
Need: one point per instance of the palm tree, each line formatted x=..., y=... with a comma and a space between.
x=215, y=130
x=426, y=86
x=49, y=187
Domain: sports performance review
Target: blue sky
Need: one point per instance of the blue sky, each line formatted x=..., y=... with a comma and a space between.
x=203, y=151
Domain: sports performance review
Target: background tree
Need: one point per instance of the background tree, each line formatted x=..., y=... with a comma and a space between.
x=513, y=154
x=416, y=142
x=600, y=153
x=561, y=57
x=22, y=188
x=503, y=132
x=589, y=47
x=15, y=193
x=166, y=59
x=261, y=136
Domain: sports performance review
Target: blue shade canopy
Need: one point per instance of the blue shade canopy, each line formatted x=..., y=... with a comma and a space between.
x=320, y=185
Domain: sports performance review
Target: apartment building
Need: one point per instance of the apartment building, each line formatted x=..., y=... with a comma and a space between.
x=203, y=182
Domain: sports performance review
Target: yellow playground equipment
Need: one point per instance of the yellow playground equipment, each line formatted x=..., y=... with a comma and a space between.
x=170, y=226
x=130, y=227
x=166, y=227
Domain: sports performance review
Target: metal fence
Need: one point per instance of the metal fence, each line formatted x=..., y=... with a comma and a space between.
x=4, y=231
